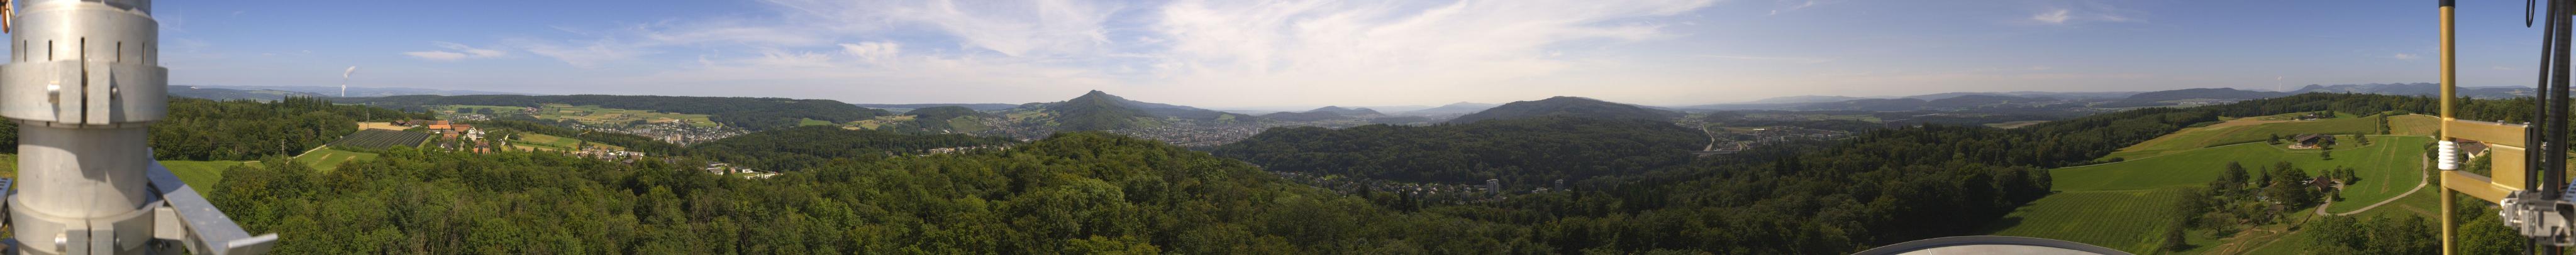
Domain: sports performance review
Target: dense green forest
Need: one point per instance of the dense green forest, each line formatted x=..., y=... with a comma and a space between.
x=1523, y=152
x=1075, y=193
x=810, y=147
x=743, y=112
x=199, y=129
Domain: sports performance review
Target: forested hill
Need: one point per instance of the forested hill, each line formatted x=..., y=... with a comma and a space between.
x=801, y=148
x=1074, y=193
x=1095, y=111
x=1575, y=106
x=742, y=112
x=1523, y=152
x=1101, y=111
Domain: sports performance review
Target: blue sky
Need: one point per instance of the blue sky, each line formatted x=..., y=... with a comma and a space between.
x=1313, y=53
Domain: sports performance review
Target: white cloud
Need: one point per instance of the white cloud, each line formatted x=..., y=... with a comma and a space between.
x=585, y=54
x=873, y=51
x=436, y=55
x=1801, y=5
x=1291, y=50
x=456, y=51
x=2080, y=11
x=2051, y=17
x=1321, y=49
x=2403, y=56
x=1014, y=28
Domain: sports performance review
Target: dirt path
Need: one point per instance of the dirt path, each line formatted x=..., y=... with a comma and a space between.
x=2419, y=186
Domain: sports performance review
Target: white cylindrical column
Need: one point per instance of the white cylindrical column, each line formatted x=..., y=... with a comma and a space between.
x=82, y=82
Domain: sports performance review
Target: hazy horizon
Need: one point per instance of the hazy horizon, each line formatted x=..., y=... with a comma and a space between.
x=1247, y=54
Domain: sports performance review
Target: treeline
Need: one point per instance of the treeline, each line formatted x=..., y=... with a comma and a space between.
x=809, y=147
x=1074, y=193
x=199, y=129
x=1523, y=152
x=743, y=112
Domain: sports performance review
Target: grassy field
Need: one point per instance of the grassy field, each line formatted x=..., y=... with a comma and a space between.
x=593, y=115
x=327, y=159
x=2114, y=205
x=548, y=142
x=814, y=122
x=201, y=175
x=2388, y=166
x=2121, y=220
x=2243, y=130
x=2414, y=124
x=2015, y=124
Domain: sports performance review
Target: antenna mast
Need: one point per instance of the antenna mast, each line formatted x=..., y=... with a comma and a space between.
x=83, y=83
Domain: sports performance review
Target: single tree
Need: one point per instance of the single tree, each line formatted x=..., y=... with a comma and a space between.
x=2174, y=239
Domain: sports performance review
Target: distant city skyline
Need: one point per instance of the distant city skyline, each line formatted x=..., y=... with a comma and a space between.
x=1270, y=54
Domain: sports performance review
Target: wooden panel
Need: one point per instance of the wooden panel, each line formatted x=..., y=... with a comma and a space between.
x=2489, y=132
x=2475, y=186
x=2507, y=165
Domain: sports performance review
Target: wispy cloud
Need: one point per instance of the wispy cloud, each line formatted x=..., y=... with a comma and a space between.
x=2057, y=16
x=1781, y=59
x=456, y=51
x=1294, y=49
x=2071, y=12
x=2403, y=56
x=1794, y=7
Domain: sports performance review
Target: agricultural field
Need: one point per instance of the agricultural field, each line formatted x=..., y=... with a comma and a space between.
x=595, y=115
x=379, y=139
x=2243, y=130
x=535, y=141
x=200, y=175
x=327, y=159
x=2414, y=124
x=381, y=125
x=814, y=122
x=590, y=114
x=2015, y=124
x=2117, y=196
x=2389, y=166
x=2124, y=220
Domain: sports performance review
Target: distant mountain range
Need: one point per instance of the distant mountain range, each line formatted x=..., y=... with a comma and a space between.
x=2035, y=99
x=1460, y=108
x=2417, y=89
x=234, y=94
x=1326, y=113
x=978, y=107
x=334, y=91
x=1575, y=106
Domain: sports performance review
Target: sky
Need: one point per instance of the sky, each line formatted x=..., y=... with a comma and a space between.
x=1243, y=53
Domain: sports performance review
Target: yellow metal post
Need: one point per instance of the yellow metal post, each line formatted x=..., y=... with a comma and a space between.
x=2449, y=84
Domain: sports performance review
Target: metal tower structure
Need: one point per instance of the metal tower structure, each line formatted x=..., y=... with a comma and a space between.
x=83, y=82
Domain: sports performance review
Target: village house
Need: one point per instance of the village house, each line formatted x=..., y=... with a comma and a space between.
x=2312, y=140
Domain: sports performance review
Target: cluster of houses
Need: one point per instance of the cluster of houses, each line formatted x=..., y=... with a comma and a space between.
x=444, y=129
x=729, y=169
x=968, y=148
